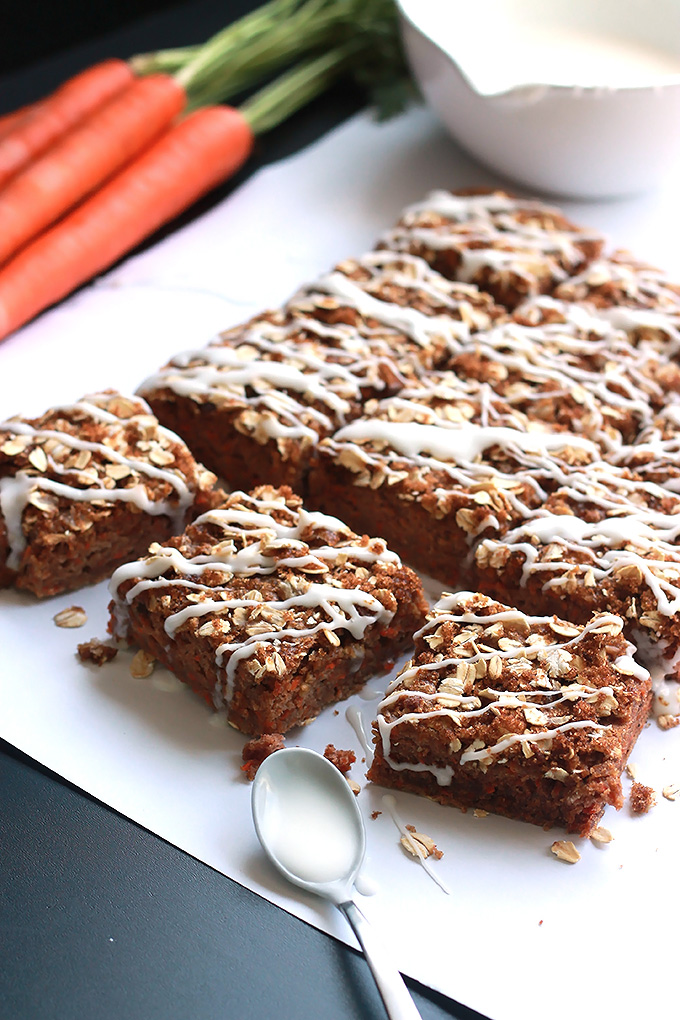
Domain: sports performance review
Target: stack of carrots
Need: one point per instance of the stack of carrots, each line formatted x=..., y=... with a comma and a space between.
x=123, y=147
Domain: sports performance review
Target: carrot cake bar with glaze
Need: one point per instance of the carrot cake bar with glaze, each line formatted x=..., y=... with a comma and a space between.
x=255, y=401
x=526, y=716
x=655, y=454
x=510, y=247
x=440, y=466
x=401, y=308
x=575, y=371
x=609, y=545
x=86, y=487
x=633, y=296
x=269, y=610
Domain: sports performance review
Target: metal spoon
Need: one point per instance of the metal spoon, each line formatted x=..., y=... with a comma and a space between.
x=308, y=822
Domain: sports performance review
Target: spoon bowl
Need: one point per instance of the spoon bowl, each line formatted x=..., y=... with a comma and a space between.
x=308, y=822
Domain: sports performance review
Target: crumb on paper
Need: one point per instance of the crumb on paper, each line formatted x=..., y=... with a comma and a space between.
x=668, y=722
x=420, y=845
x=631, y=770
x=374, y=814
x=641, y=798
x=540, y=923
x=73, y=616
x=96, y=651
x=343, y=760
x=142, y=665
x=671, y=792
x=256, y=750
x=354, y=786
x=565, y=850
x=601, y=835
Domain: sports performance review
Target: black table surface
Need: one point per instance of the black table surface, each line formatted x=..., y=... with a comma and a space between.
x=99, y=917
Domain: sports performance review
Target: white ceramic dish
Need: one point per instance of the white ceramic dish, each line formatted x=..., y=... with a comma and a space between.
x=573, y=97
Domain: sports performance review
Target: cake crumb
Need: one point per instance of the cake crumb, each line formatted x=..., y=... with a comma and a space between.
x=631, y=770
x=566, y=851
x=480, y=812
x=343, y=760
x=601, y=835
x=671, y=792
x=668, y=722
x=142, y=665
x=374, y=814
x=354, y=786
x=641, y=798
x=96, y=651
x=255, y=752
x=420, y=845
x=540, y=923
x=73, y=616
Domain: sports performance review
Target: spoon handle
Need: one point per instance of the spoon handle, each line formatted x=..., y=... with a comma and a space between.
x=393, y=992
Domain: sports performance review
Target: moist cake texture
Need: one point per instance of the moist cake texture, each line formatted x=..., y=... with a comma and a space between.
x=268, y=610
x=530, y=717
x=87, y=486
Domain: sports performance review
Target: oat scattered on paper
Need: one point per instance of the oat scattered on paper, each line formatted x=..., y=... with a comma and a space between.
x=74, y=616
x=566, y=851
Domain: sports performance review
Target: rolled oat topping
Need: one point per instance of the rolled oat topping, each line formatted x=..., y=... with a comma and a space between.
x=104, y=449
x=252, y=575
x=516, y=682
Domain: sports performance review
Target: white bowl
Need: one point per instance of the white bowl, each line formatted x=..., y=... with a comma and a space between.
x=575, y=97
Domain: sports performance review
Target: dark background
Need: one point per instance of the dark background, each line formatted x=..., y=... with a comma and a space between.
x=31, y=31
x=98, y=917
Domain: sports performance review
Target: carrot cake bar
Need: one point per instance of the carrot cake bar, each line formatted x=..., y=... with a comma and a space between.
x=86, y=487
x=526, y=716
x=440, y=466
x=633, y=296
x=269, y=610
x=510, y=247
x=609, y=545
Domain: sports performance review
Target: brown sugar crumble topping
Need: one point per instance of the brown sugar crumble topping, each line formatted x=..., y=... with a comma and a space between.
x=343, y=760
x=255, y=751
x=96, y=651
x=642, y=798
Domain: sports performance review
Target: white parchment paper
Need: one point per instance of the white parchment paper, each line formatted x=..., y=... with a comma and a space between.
x=520, y=933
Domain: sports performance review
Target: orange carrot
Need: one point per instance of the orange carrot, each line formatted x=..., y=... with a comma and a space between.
x=56, y=114
x=85, y=157
x=8, y=121
x=190, y=159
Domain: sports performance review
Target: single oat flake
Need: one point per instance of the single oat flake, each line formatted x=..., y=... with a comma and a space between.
x=74, y=616
x=601, y=835
x=566, y=851
x=142, y=665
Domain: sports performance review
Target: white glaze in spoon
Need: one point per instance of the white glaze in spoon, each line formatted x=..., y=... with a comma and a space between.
x=308, y=822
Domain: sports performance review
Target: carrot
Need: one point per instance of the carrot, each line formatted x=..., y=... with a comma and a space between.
x=57, y=113
x=185, y=163
x=85, y=157
x=8, y=121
